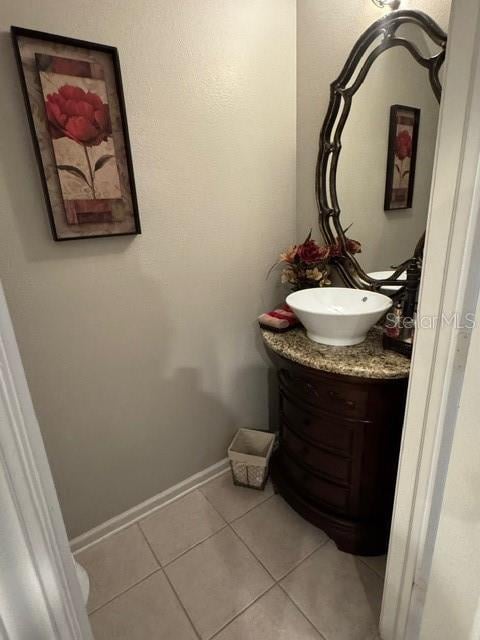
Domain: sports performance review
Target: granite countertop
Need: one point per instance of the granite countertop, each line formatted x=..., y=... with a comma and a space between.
x=367, y=360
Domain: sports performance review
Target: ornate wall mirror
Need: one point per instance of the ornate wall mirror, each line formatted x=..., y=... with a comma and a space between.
x=396, y=63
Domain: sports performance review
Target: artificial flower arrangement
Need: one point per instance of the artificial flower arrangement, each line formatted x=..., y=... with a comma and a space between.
x=306, y=265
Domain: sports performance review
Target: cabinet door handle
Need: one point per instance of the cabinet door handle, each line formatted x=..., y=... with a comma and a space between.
x=336, y=396
x=311, y=389
x=290, y=378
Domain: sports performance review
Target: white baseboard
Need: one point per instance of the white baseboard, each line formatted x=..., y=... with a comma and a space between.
x=144, y=509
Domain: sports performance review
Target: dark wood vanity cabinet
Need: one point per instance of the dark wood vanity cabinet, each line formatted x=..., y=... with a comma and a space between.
x=339, y=441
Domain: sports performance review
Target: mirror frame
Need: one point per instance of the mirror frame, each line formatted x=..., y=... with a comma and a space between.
x=330, y=143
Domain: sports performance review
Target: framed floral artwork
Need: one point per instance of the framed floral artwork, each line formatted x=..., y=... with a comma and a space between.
x=76, y=110
x=402, y=156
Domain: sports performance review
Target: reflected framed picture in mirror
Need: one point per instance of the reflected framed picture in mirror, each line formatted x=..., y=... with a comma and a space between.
x=401, y=157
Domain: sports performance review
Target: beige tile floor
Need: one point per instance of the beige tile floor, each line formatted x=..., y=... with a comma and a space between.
x=231, y=564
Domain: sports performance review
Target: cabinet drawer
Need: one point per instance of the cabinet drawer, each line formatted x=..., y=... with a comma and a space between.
x=328, y=464
x=344, y=399
x=324, y=431
x=319, y=490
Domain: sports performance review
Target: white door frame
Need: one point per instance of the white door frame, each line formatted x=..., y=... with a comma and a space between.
x=449, y=286
x=455, y=612
x=39, y=591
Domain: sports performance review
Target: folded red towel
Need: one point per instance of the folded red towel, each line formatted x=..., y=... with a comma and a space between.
x=280, y=319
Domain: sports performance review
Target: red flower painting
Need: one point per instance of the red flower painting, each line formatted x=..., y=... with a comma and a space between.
x=74, y=99
x=401, y=157
x=403, y=145
x=79, y=115
x=403, y=154
x=83, y=117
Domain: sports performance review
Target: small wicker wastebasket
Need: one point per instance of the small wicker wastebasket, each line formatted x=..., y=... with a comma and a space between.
x=249, y=455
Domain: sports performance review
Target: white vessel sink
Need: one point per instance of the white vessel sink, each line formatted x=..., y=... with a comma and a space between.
x=338, y=316
x=384, y=275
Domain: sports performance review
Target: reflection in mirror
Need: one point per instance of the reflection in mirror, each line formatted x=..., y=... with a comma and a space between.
x=425, y=45
x=388, y=237
x=396, y=61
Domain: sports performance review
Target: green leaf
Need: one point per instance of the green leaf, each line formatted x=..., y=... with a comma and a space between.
x=101, y=161
x=74, y=171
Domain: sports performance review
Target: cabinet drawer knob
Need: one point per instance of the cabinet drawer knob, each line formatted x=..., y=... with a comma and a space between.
x=311, y=389
x=336, y=396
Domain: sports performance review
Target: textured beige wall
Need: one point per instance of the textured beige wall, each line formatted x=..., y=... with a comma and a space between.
x=142, y=354
x=326, y=32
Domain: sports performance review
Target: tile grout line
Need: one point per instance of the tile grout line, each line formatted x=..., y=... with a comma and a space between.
x=237, y=615
x=162, y=567
x=194, y=546
x=297, y=605
x=197, y=544
x=276, y=583
x=302, y=613
x=230, y=523
x=226, y=523
x=238, y=536
x=182, y=606
x=304, y=559
x=266, y=569
x=225, y=526
x=147, y=514
x=264, y=501
x=243, y=514
x=121, y=593
x=382, y=577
